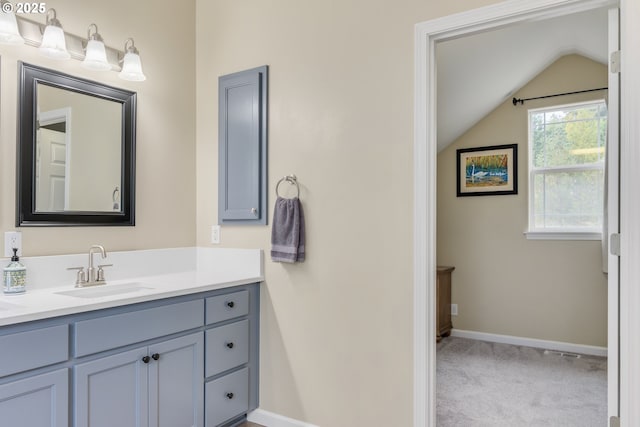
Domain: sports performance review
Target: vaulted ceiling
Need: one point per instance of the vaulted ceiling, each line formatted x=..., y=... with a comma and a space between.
x=477, y=73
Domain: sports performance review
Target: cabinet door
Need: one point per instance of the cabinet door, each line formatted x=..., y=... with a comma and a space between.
x=176, y=392
x=242, y=147
x=40, y=401
x=112, y=391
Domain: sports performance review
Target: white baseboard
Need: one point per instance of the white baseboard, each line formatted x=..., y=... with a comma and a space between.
x=531, y=342
x=270, y=419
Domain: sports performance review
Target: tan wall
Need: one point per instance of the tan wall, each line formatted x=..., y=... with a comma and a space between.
x=504, y=283
x=337, y=330
x=166, y=178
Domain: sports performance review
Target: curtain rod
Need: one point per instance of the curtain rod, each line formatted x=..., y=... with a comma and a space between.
x=521, y=101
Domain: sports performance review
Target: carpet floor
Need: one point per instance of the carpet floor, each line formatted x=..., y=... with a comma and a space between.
x=480, y=383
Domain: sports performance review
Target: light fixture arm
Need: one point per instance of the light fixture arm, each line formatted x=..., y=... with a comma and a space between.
x=131, y=48
x=95, y=36
x=52, y=18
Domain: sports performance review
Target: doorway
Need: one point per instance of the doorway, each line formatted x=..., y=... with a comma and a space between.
x=427, y=35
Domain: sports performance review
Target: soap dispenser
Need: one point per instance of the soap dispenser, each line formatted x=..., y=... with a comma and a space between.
x=15, y=275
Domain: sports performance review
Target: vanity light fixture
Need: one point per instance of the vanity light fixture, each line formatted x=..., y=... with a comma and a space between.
x=95, y=54
x=131, y=65
x=9, y=33
x=53, y=43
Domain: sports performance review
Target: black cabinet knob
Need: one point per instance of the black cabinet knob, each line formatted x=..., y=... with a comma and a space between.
x=230, y=344
x=155, y=356
x=229, y=395
x=231, y=304
x=146, y=359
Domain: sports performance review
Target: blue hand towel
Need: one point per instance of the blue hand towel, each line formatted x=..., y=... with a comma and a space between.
x=287, y=231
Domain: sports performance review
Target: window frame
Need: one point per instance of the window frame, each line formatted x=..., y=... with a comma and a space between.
x=573, y=233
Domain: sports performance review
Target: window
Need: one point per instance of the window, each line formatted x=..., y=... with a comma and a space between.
x=566, y=170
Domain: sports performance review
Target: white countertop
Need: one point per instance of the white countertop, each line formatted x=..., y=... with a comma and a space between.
x=212, y=269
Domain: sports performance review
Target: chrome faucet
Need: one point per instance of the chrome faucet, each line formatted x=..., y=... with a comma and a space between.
x=94, y=276
x=91, y=272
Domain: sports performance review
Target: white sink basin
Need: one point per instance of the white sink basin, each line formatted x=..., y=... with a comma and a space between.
x=105, y=290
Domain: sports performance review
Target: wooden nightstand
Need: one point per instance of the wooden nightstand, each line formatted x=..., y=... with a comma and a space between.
x=443, y=302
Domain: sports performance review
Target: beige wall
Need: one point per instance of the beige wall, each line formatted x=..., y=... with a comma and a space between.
x=337, y=330
x=504, y=283
x=166, y=178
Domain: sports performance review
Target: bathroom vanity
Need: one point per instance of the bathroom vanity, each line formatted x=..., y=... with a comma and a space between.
x=177, y=349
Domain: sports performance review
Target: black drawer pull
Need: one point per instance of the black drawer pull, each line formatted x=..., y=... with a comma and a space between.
x=231, y=304
x=146, y=359
x=155, y=356
x=229, y=344
x=229, y=396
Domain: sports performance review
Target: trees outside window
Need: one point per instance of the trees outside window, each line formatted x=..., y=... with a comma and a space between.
x=567, y=149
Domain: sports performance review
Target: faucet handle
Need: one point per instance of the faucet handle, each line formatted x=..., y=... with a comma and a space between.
x=80, y=276
x=100, y=274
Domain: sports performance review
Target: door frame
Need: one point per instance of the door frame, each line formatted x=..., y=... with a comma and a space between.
x=425, y=169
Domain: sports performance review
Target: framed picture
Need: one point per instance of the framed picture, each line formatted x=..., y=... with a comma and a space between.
x=487, y=171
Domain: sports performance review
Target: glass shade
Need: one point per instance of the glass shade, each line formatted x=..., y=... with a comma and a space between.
x=132, y=68
x=9, y=33
x=53, y=43
x=96, y=56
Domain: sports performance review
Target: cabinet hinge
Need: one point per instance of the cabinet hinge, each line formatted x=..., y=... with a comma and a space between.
x=615, y=62
x=614, y=422
x=614, y=244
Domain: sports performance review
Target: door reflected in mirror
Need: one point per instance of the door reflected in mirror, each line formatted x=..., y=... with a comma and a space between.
x=78, y=152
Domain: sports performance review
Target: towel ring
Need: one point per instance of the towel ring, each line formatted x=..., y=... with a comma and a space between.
x=291, y=179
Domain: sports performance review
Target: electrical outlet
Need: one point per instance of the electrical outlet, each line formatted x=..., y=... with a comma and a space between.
x=12, y=239
x=454, y=309
x=215, y=234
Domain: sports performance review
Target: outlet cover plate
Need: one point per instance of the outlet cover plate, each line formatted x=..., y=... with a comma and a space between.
x=215, y=234
x=12, y=239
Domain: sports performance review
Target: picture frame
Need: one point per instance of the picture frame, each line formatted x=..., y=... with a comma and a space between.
x=487, y=171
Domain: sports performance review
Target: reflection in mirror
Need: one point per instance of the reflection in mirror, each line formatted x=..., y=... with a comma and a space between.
x=76, y=151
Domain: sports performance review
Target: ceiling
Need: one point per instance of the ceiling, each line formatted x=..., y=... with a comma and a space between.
x=478, y=73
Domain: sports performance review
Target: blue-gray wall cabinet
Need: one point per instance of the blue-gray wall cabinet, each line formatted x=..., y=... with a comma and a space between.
x=242, y=147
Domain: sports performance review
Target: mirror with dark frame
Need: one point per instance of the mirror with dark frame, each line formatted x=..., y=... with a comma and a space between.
x=76, y=151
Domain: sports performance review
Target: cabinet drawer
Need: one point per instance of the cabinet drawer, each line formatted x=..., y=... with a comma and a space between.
x=226, y=397
x=104, y=333
x=227, y=306
x=226, y=347
x=32, y=349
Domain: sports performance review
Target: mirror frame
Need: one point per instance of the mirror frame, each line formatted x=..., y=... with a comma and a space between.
x=26, y=215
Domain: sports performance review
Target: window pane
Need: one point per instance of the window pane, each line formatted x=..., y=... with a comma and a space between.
x=569, y=136
x=568, y=200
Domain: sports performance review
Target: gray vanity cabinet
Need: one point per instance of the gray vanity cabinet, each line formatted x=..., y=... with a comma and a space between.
x=38, y=401
x=242, y=147
x=158, y=386
x=188, y=361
